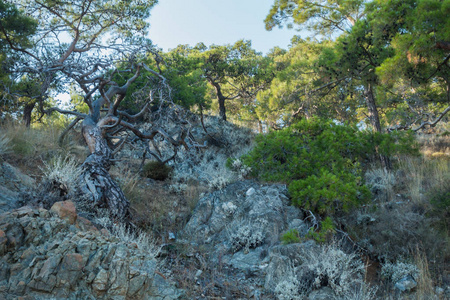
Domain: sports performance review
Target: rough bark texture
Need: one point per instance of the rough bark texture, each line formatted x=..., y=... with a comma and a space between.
x=27, y=110
x=372, y=107
x=95, y=178
x=221, y=99
x=375, y=121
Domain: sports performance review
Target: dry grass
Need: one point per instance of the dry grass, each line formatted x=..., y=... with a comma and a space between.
x=64, y=170
x=425, y=285
x=141, y=239
x=435, y=145
x=410, y=217
x=5, y=146
x=154, y=205
x=423, y=174
x=381, y=183
x=31, y=147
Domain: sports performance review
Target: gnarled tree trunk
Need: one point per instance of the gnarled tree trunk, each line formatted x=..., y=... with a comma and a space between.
x=221, y=99
x=95, y=179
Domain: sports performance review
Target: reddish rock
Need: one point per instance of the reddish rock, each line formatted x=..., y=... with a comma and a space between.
x=85, y=225
x=65, y=210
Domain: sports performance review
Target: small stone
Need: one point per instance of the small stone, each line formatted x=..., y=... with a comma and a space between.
x=198, y=274
x=439, y=291
x=406, y=284
x=24, y=211
x=250, y=192
x=65, y=210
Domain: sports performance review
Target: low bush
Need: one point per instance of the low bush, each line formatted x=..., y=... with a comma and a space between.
x=290, y=236
x=323, y=162
x=156, y=170
x=324, y=232
x=440, y=202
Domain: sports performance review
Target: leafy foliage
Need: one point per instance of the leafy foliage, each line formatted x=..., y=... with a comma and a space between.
x=440, y=201
x=323, y=162
x=325, y=232
x=290, y=236
x=156, y=170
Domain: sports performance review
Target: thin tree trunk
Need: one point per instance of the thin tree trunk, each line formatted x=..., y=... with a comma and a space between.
x=260, y=126
x=27, y=110
x=375, y=121
x=221, y=99
x=372, y=107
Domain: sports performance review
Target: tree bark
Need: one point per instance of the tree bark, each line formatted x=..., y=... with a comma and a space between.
x=372, y=107
x=260, y=126
x=221, y=99
x=375, y=121
x=95, y=179
x=27, y=110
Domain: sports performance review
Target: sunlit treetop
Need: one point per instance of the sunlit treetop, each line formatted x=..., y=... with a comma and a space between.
x=319, y=16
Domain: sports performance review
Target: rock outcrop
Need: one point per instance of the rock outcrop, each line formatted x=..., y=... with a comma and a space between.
x=243, y=216
x=12, y=183
x=240, y=227
x=56, y=254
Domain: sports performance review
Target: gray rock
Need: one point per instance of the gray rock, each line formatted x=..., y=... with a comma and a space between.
x=243, y=216
x=45, y=257
x=250, y=192
x=240, y=227
x=281, y=259
x=250, y=261
x=406, y=284
x=12, y=183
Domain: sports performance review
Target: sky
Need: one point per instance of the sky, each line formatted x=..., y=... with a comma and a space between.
x=219, y=22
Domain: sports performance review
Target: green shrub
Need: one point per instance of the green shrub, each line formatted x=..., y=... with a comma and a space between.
x=440, y=202
x=325, y=231
x=290, y=236
x=156, y=170
x=323, y=162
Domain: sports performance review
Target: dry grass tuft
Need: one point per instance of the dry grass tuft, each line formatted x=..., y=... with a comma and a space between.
x=65, y=170
x=143, y=240
x=424, y=282
x=30, y=147
x=5, y=146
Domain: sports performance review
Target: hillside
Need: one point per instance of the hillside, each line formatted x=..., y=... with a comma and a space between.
x=210, y=231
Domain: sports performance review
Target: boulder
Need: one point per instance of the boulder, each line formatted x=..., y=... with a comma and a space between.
x=12, y=183
x=243, y=216
x=240, y=227
x=65, y=210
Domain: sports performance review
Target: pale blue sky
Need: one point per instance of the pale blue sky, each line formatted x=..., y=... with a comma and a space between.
x=219, y=22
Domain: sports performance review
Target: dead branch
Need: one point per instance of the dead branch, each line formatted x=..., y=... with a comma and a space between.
x=68, y=128
x=422, y=125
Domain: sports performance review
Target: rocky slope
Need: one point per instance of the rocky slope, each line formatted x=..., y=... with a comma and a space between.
x=229, y=249
x=57, y=254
